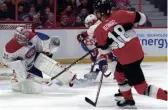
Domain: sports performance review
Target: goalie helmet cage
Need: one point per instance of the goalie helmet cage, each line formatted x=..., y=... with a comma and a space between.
x=6, y=33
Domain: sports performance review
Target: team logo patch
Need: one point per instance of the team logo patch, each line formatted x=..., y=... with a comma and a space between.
x=31, y=53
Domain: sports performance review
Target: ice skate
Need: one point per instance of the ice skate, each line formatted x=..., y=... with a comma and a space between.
x=92, y=75
x=118, y=96
x=127, y=104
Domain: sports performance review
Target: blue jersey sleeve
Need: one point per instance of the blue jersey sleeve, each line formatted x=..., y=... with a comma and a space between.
x=42, y=36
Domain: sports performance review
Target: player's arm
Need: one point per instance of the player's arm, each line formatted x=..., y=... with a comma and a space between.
x=82, y=36
x=133, y=17
x=140, y=18
x=47, y=45
x=8, y=57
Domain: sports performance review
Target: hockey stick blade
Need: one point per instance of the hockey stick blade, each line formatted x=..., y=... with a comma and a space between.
x=90, y=102
x=107, y=75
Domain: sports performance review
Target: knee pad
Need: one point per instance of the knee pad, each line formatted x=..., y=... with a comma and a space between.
x=30, y=87
x=151, y=91
x=124, y=86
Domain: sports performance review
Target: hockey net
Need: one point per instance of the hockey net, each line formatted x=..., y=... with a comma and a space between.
x=6, y=33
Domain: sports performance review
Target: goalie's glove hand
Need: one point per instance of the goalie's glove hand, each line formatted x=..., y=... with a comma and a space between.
x=80, y=37
x=103, y=66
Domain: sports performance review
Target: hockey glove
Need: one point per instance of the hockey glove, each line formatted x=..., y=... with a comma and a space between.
x=80, y=37
x=103, y=66
x=111, y=57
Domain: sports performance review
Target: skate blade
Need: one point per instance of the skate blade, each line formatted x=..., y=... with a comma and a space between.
x=128, y=107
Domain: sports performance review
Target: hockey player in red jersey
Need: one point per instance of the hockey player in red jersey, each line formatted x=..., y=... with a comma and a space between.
x=89, y=44
x=115, y=34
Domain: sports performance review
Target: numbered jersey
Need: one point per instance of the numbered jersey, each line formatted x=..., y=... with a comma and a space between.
x=116, y=34
x=14, y=51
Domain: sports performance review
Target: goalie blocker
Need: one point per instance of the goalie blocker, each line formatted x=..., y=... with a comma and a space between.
x=52, y=68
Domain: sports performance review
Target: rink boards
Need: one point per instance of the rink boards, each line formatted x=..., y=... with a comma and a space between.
x=153, y=40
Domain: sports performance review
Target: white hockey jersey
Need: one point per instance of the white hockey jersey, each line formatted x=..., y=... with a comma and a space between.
x=90, y=41
x=14, y=51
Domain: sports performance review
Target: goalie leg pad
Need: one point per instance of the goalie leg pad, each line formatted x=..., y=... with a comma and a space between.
x=36, y=72
x=19, y=68
x=30, y=87
x=52, y=68
x=15, y=85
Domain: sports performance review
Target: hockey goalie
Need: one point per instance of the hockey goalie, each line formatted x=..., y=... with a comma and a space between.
x=29, y=54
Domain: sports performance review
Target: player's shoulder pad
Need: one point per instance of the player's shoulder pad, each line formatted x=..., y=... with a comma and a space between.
x=92, y=28
x=42, y=36
x=123, y=12
x=12, y=46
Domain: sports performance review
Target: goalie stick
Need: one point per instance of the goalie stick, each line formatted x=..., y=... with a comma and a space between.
x=97, y=95
x=65, y=69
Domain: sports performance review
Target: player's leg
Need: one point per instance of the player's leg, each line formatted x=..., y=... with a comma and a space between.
x=94, y=71
x=20, y=82
x=92, y=75
x=29, y=86
x=136, y=78
x=124, y=87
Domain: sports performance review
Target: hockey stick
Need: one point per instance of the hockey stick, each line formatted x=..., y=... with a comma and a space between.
x=97, y=95
x=107, y=75
x=65, y=69
x=95, y=61
x=91, y=70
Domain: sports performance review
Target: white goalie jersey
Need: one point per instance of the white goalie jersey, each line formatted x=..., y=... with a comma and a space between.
x=14, y=51
x=21, y=58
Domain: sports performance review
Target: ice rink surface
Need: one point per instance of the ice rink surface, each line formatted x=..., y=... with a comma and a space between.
x=66, y=98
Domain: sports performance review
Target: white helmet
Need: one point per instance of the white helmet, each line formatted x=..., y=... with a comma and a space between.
x=90, y=20
x=21, y=35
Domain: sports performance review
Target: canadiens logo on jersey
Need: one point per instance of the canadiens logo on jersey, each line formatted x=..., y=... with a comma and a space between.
x=30, y=53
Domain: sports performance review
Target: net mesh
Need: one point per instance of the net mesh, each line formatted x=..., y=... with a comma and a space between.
x=7, y=30
x=14, y=25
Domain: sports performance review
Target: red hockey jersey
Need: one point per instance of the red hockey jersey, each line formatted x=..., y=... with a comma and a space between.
x=116, y=34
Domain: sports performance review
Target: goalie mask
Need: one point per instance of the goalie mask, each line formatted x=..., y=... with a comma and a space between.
x=21, y=35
